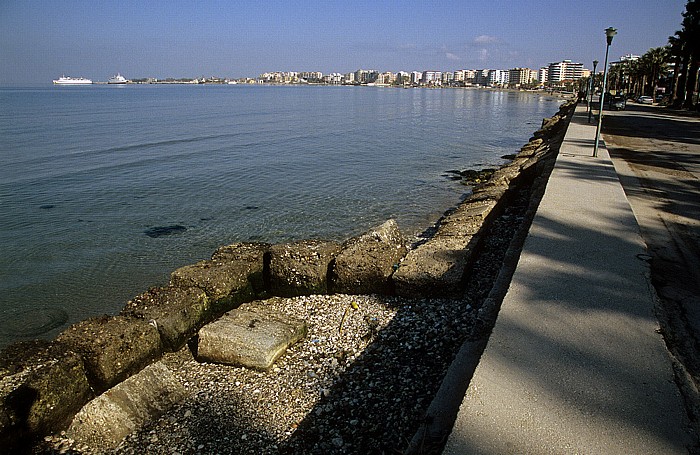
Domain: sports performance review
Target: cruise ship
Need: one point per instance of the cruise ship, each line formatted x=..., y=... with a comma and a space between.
x=65, y=80
x=118, y=79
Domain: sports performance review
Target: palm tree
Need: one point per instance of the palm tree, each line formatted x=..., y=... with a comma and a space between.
x=685, y=46
x=676, y=52
x=656, y=60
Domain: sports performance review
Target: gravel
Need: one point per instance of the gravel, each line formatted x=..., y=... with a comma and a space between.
x=359, y=383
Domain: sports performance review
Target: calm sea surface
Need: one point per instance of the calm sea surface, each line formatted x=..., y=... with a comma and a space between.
x=87, y=173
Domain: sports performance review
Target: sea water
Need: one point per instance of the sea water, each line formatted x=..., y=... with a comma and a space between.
x=104, y=190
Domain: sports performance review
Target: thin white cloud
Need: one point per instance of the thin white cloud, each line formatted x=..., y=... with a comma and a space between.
x=451, y=56
x=485, y=39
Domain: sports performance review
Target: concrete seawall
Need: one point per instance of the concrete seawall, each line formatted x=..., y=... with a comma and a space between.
x=44, y=384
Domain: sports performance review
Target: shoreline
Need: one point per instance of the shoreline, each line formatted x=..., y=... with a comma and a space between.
x=506, y=220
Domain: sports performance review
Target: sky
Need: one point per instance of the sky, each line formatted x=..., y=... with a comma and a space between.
x=42, y=40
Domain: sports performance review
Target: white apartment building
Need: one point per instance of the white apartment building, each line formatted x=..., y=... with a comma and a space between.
x=498, y=77
x=386, y=78
x=366, y=76
x=333, y=78
x=565, y=70
x=543, y=74
x=521, y=76
x=311, y=75
x=431, y=77
x=416, y=77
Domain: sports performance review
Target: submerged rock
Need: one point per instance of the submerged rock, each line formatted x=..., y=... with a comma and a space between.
x=160, y=231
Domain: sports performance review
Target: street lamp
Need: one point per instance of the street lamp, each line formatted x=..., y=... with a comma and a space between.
x=609, y=33
x=590, y=91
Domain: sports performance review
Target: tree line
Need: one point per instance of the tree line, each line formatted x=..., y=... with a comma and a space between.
x=647, y=74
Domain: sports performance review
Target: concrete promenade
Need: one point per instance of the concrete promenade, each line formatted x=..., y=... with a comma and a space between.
x=575, y=364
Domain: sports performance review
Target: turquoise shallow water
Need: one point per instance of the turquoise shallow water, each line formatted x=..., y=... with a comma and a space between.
x=92, y=177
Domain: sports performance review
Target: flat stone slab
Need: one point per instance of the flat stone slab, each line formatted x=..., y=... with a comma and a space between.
x=253, y=339
x=109, y=418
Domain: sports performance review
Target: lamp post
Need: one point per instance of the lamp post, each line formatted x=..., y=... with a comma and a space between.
x=609, y=33
x=590, y=91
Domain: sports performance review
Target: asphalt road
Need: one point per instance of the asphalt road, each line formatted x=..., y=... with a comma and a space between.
x=656, y=152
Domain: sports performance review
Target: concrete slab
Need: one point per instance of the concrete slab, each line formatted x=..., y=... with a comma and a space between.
x=253, y=339
x=575, y=363
x=106, y=420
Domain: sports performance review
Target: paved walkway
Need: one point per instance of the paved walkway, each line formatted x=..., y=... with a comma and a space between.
x=575, y=363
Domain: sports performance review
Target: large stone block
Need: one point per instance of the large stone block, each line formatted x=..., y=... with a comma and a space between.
x=42, y=386
x=301, y=268
x=106, y=420
x=466, y=220
x=250, y=255
x=113, y=347
x=252, y=338
x=436, y=268
x=366, y=262
x=178, y=313
x=225, y=282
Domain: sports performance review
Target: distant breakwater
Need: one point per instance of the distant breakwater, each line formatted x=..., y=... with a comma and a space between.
x=43, y=384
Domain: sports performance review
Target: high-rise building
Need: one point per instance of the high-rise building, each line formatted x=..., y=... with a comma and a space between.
x=565, y=70
x=431, y=77
x=521, y=76
x=366, y=76
x=498, y=77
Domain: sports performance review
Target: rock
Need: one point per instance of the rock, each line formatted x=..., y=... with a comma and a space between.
x=250, y=254
x=531, y=147
x=161, y=231
x=436, y=267
x=301, y=268
x=177, y=313
x=107, y=419
x=365, y=263
x=226, y=282
x=465, y=220
x=42, y=386
x=251, y=338
x=112, y=347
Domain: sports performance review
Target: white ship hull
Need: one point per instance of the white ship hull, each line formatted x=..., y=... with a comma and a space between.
x=63, y=80
x=118, y=79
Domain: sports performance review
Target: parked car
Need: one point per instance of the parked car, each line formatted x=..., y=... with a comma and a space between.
x=645, y=100
x=618, y=102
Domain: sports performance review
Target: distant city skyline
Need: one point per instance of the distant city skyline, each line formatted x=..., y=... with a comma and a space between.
x=41, y=40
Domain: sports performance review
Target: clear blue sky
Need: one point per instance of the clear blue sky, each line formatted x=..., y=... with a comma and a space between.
x=41, y=40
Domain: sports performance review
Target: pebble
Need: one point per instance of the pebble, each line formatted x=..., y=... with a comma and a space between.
x=369, y=384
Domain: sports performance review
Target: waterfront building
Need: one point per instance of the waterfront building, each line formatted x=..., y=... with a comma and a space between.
x=416, y=77
x=431, y=78
x=518, y=77
x=469, y=76
x=403, y=77
x=366, y=76
x=566, y=70
x=349, y=78
x=481, y=77
x=498, y=78
x=311, y=76
x=386, y=78
x=447, y=77
x=543, y=74
x=333, y=78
